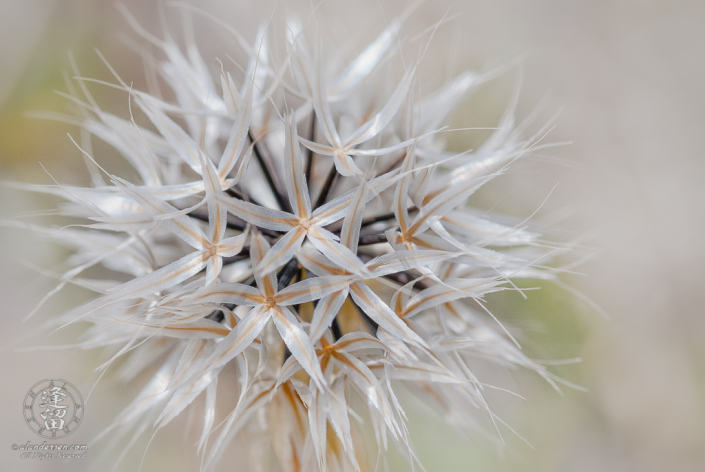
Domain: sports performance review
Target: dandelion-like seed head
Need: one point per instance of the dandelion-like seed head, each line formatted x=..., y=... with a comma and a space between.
x=287, y=224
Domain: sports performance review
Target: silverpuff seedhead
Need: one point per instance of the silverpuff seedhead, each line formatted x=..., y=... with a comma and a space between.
x=297, y=223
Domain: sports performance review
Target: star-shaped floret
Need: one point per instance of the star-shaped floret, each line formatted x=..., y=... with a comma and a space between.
x=210, y=250
x=303, y=222
x=342, y=150
x=270, y=303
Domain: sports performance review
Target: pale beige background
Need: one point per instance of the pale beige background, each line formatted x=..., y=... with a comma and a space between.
x=628, y=75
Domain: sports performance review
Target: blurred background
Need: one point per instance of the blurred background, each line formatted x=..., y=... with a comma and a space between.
x=627, y=76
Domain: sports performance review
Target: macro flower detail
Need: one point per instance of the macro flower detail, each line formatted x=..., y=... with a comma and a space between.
x=320, y=266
